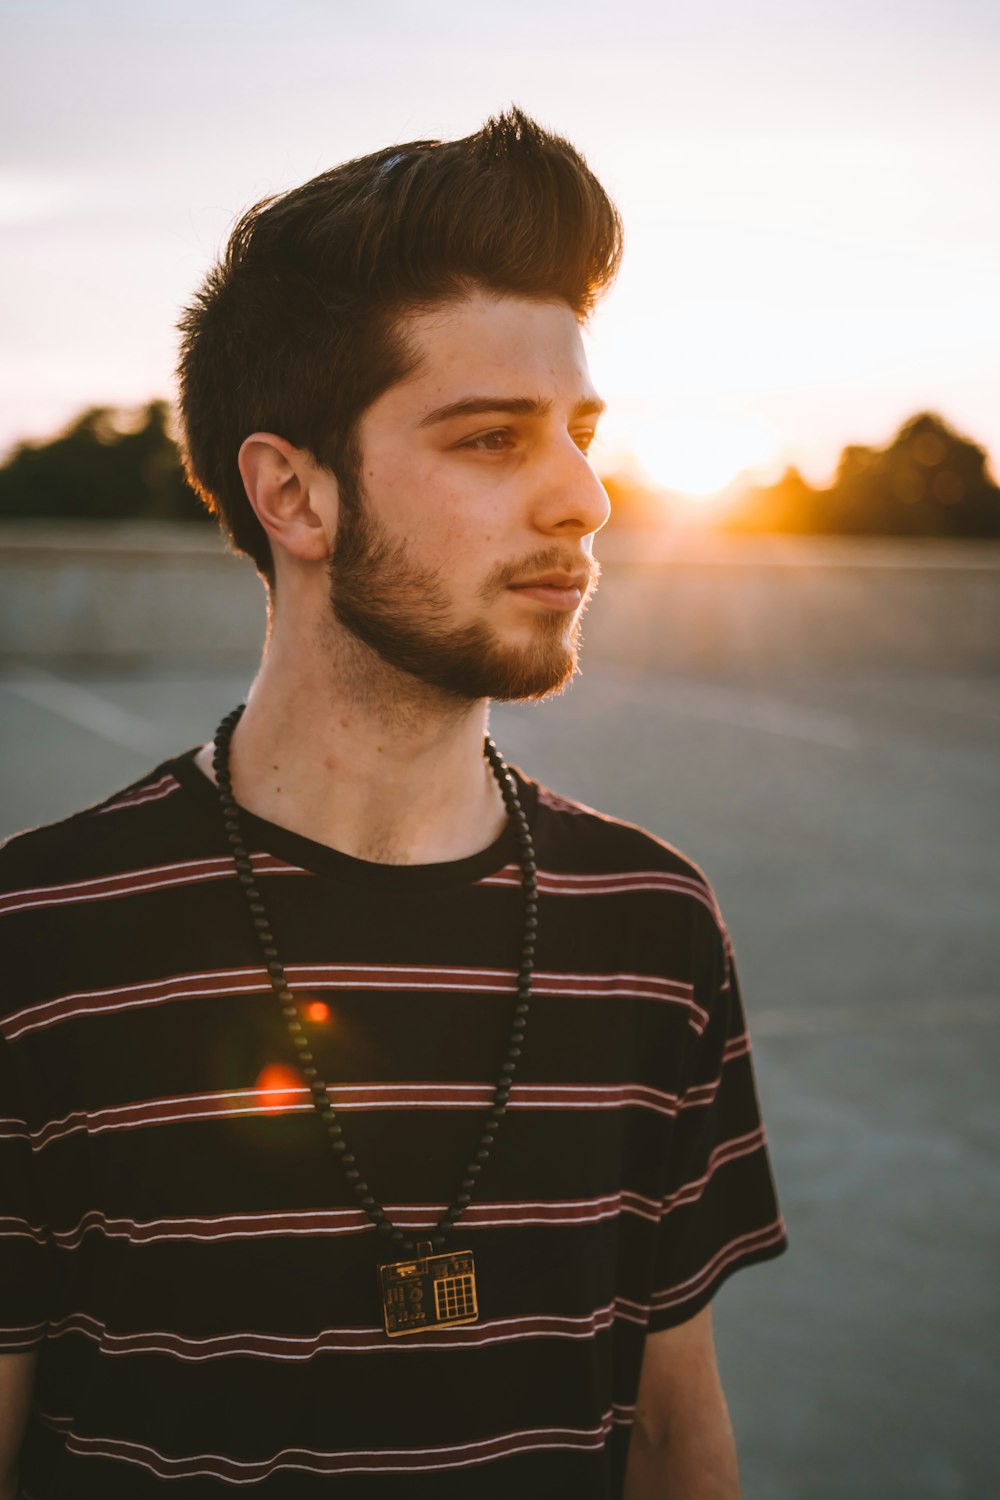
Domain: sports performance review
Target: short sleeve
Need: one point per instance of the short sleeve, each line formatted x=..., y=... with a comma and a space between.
x=24, y=1238
x=720, y=1211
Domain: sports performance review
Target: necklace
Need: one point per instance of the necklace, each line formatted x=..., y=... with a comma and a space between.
x=425, y=1289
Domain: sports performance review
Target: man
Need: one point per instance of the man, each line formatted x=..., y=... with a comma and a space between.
x=376, y=1121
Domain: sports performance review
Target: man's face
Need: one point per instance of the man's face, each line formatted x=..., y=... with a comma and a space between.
x=463, y=555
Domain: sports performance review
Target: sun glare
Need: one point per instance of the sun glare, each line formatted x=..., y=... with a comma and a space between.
x=700, y=457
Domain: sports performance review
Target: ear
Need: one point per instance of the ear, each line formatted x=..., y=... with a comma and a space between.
x=294, y=499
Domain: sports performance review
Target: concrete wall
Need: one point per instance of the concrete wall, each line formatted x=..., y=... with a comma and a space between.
x=684, y=602
x=127, y=592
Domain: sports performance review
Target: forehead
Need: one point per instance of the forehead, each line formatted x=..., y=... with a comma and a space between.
x=510, y=346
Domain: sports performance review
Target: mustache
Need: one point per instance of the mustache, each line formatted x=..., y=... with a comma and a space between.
x=552, y=560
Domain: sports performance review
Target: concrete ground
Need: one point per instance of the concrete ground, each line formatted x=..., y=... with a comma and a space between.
x=851, y=827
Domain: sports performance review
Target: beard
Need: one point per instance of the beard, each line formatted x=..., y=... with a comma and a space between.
x=401, y=611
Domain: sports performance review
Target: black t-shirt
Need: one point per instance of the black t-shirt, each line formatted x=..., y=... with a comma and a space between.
x=177, y=1238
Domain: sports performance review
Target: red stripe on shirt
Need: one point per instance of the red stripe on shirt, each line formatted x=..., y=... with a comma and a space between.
x=138, y=882
x=257, y=1345
x=216, y=982
x=150, y=791
x=344, y=1461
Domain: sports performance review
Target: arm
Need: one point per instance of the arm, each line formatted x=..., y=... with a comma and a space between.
x=682, y=1444
x=17, y=1379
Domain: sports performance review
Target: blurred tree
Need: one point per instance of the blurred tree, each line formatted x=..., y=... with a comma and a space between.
x=788, y=505
x=929, y=481
x=109, y=464
x=634, y=505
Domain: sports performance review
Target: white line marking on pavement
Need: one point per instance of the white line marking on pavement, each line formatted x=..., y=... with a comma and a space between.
x=827, y=1021
x=78, y=705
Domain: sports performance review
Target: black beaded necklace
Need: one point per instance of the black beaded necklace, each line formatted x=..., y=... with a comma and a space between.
x=425, y=1290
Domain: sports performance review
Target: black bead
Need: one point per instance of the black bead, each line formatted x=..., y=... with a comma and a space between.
x=339, y=1146
x=368, y=1201
x=352, y=1174
x=438, y=1241
x=498, y=1111
x=347, y=1159
x=482, y=1155
x=397, y=1236
x=473, y=1168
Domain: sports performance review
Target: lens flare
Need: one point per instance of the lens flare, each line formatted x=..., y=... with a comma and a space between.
x=318, y=1011
x=278, y=1087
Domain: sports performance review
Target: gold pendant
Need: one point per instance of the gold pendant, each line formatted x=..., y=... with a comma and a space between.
x=432, y=1291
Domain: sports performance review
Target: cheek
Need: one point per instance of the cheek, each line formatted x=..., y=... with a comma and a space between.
x=429, y=505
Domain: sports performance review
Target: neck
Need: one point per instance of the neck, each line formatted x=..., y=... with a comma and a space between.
x=336, y=745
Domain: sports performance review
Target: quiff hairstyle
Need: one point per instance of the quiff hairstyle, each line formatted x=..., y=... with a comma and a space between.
x=296, y=329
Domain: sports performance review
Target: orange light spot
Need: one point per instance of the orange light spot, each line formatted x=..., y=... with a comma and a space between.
x=317, y=1011
x=278, y=1086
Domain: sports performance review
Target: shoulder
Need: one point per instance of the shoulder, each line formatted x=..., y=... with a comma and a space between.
x=585, y=845
x=97, y=841
x=90, y=902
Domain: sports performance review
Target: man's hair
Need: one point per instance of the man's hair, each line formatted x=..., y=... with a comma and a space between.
x=296, y=330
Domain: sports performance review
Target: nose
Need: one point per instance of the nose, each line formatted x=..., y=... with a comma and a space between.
x=571, y=501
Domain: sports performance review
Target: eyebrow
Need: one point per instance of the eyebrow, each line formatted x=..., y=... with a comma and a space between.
x=515, y=406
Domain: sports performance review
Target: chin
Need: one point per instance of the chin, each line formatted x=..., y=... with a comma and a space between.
x=481, y=666
x=525, y=677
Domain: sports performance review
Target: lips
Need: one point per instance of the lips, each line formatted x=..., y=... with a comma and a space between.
x=554, y=581
x=562, y=592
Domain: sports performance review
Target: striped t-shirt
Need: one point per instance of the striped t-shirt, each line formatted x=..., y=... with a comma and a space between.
x=176, y=1235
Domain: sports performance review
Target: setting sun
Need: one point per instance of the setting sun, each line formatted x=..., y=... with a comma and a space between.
x=699, y=456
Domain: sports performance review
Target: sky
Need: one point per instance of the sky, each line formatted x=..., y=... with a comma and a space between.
x=808, y=190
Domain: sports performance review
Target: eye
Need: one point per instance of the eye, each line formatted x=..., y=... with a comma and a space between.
x=584, y=439
x=498, y=441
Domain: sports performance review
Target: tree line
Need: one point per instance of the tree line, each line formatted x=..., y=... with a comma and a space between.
x=114, y=464
x=928, y=481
